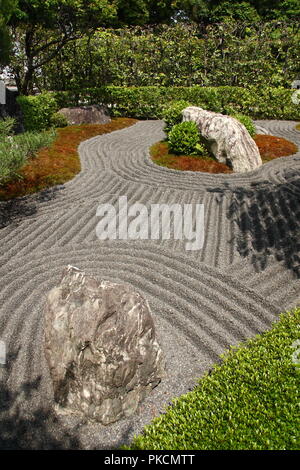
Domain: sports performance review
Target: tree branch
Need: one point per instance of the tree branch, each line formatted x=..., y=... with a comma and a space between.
x=55, y=52
x=45, y=46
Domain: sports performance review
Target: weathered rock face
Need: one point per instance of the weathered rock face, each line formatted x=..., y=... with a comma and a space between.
x=101, y=347
x=229, y=140
x=86, y=115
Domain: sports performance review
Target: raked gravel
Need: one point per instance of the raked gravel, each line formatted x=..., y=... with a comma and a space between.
x=203, y=301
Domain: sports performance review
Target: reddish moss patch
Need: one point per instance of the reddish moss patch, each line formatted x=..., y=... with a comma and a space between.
x=160, y=155
x=60, y=162
x=270, y=147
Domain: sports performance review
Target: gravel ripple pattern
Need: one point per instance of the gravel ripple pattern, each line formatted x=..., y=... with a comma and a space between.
x=204, y=301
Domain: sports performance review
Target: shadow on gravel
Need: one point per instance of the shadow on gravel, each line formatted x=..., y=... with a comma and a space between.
x=14, y=210
x=18, y=432
x=268, y=221
x=37, y=429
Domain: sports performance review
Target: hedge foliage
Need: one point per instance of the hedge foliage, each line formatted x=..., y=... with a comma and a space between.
x=250, y=401
x=231, y=53
x=58, y=120
x=37, y=111
x=152, y=102
x=148, y=102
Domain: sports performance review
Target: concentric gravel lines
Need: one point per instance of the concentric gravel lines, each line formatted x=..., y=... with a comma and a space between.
x=200, y=277
x=203, y=301
x=205, y=324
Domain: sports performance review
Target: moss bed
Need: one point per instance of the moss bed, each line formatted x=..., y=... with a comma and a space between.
x=60, y=162
x=270, y=147
x=250, y=401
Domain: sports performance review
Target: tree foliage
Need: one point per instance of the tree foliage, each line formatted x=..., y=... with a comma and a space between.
x=212, y=11
x=6, y=9
x=42, y=28
x=62, y=38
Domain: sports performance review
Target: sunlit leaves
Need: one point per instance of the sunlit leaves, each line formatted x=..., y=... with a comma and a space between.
x=250, y=401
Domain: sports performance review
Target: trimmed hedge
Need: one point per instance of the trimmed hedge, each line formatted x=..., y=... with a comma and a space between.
x=148, y=102
x=38, y=110
x=250, y=401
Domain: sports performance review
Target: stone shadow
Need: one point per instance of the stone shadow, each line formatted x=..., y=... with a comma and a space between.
x=38, y=429
x=35, y=430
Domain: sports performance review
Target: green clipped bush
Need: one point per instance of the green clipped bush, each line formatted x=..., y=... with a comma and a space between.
x=149, y=102
x=248, y=402
x=247, y=122
x=58, y=120
x=172, y=113
x=6, y=126
x=37, y=111
x=184, y=139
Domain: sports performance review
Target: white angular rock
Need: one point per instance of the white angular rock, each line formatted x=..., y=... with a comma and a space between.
x=229, y=140
x=101, y=347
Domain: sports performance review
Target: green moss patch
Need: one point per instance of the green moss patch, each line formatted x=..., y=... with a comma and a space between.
x=250, y=401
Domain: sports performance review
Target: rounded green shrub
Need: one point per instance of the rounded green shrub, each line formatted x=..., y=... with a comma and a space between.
x=247, y=122
x=37, y=111
x=184, y=139
x=172, y=113
x=58, y=120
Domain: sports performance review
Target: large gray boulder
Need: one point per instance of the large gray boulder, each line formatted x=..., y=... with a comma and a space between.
x=101, y=347
x=94, y=114
x=229, y=140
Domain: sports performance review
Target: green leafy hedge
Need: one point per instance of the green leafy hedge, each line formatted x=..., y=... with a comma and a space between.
x=38, y=110
x=232, y=53
x=148, y=102
x=250, y=401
